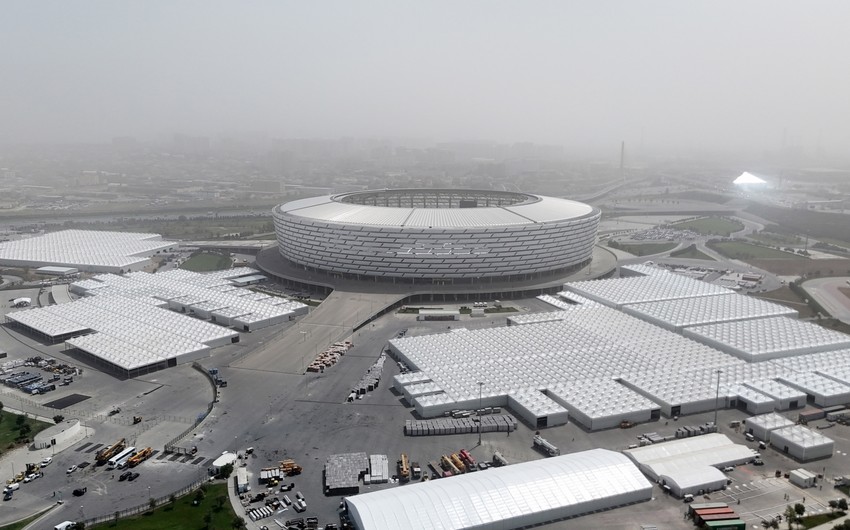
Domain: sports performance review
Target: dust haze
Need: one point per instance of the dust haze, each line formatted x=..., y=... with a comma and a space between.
x=672, y=78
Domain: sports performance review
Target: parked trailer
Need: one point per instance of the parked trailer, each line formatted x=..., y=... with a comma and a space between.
x=734, y=524
x=700, y=515
x=541, y=444
x=717, y=517
x=692, y=508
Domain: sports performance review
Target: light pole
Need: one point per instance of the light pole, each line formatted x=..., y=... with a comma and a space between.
x=717, y=398
x=480, y=389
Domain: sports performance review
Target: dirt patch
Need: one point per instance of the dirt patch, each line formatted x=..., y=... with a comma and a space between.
x=812, y=268
x=785, y=296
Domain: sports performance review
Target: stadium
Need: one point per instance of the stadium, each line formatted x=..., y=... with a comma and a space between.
x=418, y=236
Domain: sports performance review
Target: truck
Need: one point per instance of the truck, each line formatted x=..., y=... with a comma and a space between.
x=447, y=465
x=104, y=455
x=541, y=444
x=404, y=468
x=467, y=458
x=140, y=457
x=417, y=471
x=458, y=463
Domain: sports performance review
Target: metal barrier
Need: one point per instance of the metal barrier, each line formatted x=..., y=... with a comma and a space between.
x=142, y=508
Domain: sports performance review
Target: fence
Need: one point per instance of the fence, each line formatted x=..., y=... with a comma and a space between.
x=171, y=445
x=142, y=508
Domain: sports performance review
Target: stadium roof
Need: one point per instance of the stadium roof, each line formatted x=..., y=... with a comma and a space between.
x=506, y=497
x=539, y=210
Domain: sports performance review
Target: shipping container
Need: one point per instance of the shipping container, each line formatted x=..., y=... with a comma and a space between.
x=704, y=505
x=735, y=524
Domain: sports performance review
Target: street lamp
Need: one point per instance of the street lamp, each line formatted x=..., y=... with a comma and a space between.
x=480, y=389
x=717, y=398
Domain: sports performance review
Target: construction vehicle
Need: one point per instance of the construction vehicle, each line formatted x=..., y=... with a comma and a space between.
x=467, y=459
x=137, y=419
x=289, y=467
x=104, y=455
x=140, y=457
x=449, y=466
x=32, y=468
x=458, y=463
x=404, y=468
x=543, y=445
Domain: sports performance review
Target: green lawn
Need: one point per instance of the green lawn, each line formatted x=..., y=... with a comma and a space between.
x=744, y=251
x=711, y=226
x=207, y=261
x=9, y=430
x=183, y=515
x=691, y=252
x=646, y=249
x=816, y=520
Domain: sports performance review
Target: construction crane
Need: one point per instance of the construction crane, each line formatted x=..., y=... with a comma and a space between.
x=104, y=455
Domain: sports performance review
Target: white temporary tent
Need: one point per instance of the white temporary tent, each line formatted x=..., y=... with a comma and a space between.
x=515, y=496
x=801, y=443
x=688, y=465
x=761, y=426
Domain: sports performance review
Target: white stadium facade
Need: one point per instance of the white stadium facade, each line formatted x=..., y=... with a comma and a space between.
x=429, y=236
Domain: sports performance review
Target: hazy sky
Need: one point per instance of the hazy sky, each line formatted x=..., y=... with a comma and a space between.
x=678, y=74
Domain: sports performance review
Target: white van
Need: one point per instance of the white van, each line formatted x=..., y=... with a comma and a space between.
x=12, y=487
x=67, y=525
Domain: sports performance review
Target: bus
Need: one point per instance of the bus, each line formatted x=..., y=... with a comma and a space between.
x=120, y=458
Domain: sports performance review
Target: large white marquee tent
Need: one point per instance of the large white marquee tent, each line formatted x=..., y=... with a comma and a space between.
x=516, y=496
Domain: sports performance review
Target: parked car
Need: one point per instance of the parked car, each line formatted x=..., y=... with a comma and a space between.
x=125, y=475
x=79, y=492
x=71, y=469
x=46, y=462
x=7, y=495
x=134, y=476
x=33, y=476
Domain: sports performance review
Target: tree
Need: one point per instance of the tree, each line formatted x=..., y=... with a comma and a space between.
x=842, y=504
x=238, y=523
x=152, y=503
x=799, y=509
x=20, y=420
x=225, y=471
x=833, y=505
x=208, y=517
x=58, y=418
x=790, y=515
x=172, y=500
